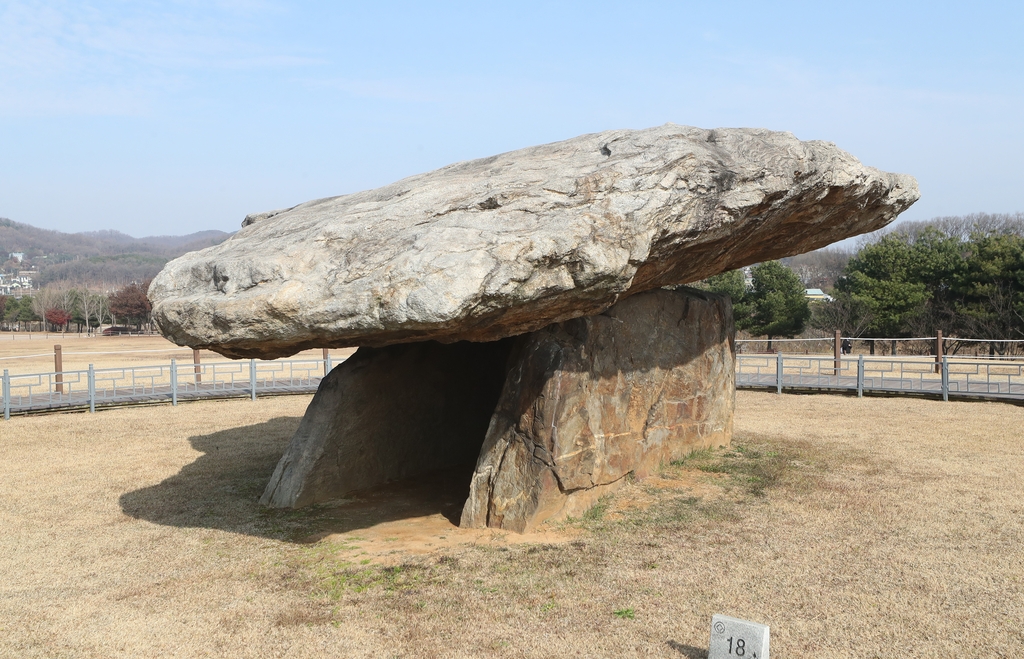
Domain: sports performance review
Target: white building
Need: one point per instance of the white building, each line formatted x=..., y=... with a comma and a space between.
x=817, y=294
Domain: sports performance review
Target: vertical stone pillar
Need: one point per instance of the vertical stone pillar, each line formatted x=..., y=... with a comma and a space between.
x=563, y=414
x=386, y=414
x=589, y=401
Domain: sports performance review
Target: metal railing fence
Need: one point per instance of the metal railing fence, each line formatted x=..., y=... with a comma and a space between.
x=952, y=376
x=890, y=347
x=174, y=382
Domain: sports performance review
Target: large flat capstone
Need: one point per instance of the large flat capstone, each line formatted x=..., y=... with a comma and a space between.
x=552, y=419
x=501, y=246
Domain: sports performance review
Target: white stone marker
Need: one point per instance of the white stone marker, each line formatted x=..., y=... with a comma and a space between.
x=732, y=638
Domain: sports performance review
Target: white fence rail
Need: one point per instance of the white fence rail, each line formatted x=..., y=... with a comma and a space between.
x=951, y=376
x=92, y=388
x=174, y=382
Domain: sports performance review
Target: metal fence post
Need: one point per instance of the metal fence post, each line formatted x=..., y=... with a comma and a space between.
x=945, y=378
x=7, y=394
x=778, y=372
x=92, y=390
x=330, y=365
x=252, y=378
x=174, y=382
x=860, y=376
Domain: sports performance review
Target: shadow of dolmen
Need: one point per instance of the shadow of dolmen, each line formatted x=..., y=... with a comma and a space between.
x=221, y=490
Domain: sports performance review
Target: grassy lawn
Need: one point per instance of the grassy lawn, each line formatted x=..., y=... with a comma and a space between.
x=20, y=355
x=873, y=527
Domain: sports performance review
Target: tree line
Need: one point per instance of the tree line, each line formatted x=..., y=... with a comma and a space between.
x=966, y=279
x=60, y=308
x=773, y=305
x=961, y=275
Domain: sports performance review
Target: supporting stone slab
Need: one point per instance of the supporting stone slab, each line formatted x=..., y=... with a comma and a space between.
x=553, y=419
x=589, y=401
x=386, y=414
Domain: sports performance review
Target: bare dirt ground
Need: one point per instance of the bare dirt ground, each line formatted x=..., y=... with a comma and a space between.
x=19, y=354
x=874, y=527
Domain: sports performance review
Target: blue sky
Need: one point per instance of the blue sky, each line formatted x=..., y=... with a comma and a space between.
x=173, y=117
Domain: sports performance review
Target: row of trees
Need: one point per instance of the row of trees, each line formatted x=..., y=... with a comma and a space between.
x=61, y=308
x=963, y=275
x=911, y=283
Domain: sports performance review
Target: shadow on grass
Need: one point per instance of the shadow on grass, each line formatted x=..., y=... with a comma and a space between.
x=688, y=651
x=221, y=490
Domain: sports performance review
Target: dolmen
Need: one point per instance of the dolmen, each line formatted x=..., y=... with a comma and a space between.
x=523, y=317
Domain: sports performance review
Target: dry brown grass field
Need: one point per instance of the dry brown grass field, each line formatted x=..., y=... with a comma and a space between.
x=875, y=527
x=21, y=355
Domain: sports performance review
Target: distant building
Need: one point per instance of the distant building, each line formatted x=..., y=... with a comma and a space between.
x=15, y=285
x=817, y=294
x=17, y=256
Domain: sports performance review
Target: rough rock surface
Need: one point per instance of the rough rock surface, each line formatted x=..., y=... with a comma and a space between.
x=391, y=413
x=552, y=419
x=505, y=245
x=590, y=400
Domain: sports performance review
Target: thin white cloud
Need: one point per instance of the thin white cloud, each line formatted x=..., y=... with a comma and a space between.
x=116, y=58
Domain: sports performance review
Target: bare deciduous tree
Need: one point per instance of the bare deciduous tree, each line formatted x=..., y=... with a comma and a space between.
x=851, y=317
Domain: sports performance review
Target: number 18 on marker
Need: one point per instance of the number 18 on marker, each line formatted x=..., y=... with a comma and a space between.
x=732, y=638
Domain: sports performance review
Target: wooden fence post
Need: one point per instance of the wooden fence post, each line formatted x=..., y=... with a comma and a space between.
x=58, y=368
x=197, y=369
x=839, y=352
x=938, y=351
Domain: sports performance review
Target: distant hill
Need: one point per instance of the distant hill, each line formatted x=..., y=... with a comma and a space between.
x=34, y=242
x=94, y=258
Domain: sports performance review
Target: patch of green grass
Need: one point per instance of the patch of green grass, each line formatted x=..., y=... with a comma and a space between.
x=695, y=457
x=593, y=519
x=752, y=467
x=745, y=472
x=333, y=583
x=596, y=512
x=684, y=510
x=625, y=614
x=716, y=468
x=328, y=575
